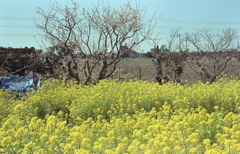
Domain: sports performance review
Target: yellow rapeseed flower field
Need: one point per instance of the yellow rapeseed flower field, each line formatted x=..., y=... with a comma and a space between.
x=114, y=117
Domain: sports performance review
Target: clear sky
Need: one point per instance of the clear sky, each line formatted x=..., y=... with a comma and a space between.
x=18, y=17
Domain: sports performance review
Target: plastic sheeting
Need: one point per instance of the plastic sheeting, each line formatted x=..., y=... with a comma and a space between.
x=20, y=83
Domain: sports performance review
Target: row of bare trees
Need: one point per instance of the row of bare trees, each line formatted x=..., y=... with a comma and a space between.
x=98, y=36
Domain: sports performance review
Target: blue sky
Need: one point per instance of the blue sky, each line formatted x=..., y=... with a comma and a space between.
x=17, y=17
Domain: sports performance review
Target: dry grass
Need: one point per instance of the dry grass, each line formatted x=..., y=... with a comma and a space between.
x=148, y=70
x=145, y=69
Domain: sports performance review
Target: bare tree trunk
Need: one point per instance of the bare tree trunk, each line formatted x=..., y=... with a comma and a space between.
x=159, y=74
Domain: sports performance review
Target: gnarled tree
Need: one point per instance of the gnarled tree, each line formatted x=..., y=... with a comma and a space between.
x=170, y=65
x=170, y=59
x=214, y=52
x=97, y=35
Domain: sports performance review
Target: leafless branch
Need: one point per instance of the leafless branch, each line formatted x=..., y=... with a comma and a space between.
x=214, y=49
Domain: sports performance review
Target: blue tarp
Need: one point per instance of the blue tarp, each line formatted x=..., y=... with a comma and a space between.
x=19, y=83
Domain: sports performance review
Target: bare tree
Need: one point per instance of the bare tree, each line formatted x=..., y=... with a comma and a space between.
x=169, y=64
x=175, y=41
x=214, y=52
x=97, y=35
x=170, y=59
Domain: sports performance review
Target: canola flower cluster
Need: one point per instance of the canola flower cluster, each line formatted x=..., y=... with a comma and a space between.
x=113, y=117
